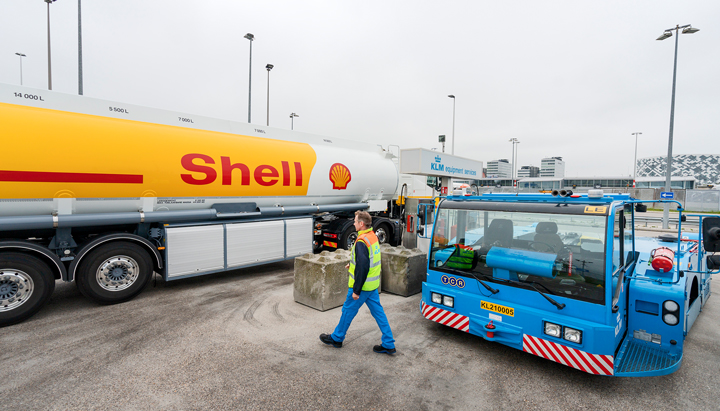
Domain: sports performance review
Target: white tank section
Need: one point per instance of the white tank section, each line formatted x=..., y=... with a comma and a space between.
x=71, y=154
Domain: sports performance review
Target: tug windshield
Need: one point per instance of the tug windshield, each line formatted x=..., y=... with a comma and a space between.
x=560, y=254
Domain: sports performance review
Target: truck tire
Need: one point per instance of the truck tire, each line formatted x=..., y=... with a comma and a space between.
x=26, y=284
x=383, y=233
x=348, y=237
x=114, y=272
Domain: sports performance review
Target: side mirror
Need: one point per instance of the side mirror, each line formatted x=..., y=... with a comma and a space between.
x=640, y=208
x=713, y=262
x=711, y=234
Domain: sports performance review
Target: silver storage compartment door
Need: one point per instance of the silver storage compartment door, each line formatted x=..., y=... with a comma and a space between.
x=252, y=243
x=299, y=237
x=194, y=250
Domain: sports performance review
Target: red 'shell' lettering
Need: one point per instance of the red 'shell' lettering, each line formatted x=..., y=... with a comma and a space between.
x=227, y=169
x=187, y=164
x=265, y=175
x=263, y=172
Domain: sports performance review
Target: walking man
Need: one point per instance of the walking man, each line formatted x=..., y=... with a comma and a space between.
x=363, y=287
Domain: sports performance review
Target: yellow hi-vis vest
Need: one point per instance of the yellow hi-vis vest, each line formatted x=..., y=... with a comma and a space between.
x=373, y=278
x=461, y=258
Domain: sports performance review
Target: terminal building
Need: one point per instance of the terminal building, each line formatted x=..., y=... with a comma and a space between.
x=581, y=184
x=689, y=172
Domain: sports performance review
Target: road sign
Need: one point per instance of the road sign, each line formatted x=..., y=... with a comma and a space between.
x=667, y=195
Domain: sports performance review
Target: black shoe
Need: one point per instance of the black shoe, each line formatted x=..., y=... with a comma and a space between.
x=382, y=350
x=327, y=339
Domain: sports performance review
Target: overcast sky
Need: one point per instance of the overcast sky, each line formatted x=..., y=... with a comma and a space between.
x=566, y=78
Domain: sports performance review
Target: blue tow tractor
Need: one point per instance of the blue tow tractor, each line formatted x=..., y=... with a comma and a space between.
x=566, y=278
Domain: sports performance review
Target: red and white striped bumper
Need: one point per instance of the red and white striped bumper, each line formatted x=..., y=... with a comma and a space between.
x=590, y=363
x=446, y=317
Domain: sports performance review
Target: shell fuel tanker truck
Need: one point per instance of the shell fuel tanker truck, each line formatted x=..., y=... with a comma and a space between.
x=104, y=194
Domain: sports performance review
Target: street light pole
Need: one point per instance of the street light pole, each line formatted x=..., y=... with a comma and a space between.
x=514, y=158
x=635, y=163
x=452, y=147
x=21, y=56
x=48, y=33
x=250, y=37
x=292, y=120
x=268, y=67
x=80, y=79
x=687, y=29
x=515, y=169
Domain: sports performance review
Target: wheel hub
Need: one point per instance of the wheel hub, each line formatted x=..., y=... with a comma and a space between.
x=16, y=287
x=117, y=273
x=351, y=240
x=381, y=235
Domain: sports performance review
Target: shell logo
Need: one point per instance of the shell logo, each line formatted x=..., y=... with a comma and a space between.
x=340, y=176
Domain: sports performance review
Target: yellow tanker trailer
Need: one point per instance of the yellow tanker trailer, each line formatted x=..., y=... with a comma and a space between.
x=103, y=194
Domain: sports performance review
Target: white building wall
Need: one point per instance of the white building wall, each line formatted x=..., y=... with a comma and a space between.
x=552, y=167
x=499, y=169
x=528, y=172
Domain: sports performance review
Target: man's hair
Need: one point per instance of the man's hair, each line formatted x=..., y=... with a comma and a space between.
x=364, y=217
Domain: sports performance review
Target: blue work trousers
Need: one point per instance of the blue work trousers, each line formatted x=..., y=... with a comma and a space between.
x=350, y=309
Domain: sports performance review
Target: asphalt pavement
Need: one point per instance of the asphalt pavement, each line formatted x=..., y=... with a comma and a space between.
x=237, y=340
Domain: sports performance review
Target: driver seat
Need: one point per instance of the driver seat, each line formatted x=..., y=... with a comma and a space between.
x=500, y=231
x=546, y=233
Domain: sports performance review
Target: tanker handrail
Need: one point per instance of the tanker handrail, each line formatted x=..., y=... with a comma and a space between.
x=19, y=223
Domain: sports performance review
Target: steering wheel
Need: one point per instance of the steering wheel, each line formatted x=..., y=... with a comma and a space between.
x=542, y=247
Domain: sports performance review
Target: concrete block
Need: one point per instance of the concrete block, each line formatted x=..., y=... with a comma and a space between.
x=321, y=280
x=403, y=270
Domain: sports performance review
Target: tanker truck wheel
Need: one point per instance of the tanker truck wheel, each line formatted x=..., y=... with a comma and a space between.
x=26, y=284
x=114, y=273
x=347, y=239
x=383, y=233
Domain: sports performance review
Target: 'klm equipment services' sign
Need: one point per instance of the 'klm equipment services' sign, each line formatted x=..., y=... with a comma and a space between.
x=431, y=163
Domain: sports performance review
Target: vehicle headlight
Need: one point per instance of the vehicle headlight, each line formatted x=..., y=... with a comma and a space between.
x=448, y=301
x=552, y=330
x=670, y=319
x=671, y=312
x=573, y=335
x=671, y=305
x=436, y=298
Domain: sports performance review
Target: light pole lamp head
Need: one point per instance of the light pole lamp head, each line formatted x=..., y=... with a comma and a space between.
x=249, y=36
x=50, y=1
x=20, y=54
x=269, y=67
x=665, y=35
x=293, y=115
x=451, y=95
x=690, y=30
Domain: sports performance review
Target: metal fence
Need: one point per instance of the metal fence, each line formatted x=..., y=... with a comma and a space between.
x=702, y=200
